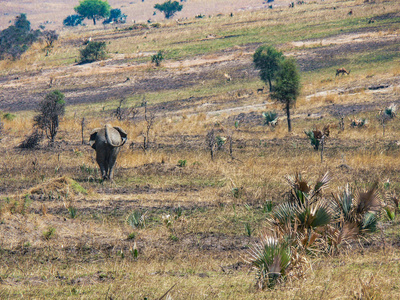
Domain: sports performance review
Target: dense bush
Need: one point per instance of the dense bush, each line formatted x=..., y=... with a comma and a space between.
x=93, y=51
x=73, y=20
x=17, y=38
x=116, y=16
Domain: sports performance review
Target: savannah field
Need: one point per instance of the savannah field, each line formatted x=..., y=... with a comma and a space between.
x=64, y=233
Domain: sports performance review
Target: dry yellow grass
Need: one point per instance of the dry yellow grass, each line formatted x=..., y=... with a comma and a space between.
x=90, y=255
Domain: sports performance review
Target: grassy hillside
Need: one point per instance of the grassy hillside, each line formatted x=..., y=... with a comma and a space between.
x=66, y=234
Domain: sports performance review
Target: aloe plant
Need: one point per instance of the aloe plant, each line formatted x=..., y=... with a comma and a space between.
x=137, y=219
x=270, y=118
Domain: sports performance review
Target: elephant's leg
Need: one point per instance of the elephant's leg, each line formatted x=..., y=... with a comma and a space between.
x=107, y=169
x=111, y=163
x=100, y=158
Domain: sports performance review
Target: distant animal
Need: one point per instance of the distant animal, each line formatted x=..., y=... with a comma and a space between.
x=107, y=141
x=228, y=78
x=260, y=90
x=85, y=42
x=371, y=21
x=342, y=71
x=350, y=12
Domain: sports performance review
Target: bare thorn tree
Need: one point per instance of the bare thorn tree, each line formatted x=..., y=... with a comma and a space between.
x=124, y=113
x=51, y=108
x=83, y=129
x=211, y=142
x=149, y=119
x=216, y=139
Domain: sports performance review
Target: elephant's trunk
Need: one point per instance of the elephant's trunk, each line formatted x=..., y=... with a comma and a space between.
x=109, y=140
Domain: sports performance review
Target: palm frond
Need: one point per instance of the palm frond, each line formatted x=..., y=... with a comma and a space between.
x=369, y=222
x=322, y=183
x=283, y=214
x=369, y=201
x=344, y=203
x=322, y=215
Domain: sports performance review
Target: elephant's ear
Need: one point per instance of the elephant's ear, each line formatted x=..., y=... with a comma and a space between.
x=122, y=133
x=92, y=140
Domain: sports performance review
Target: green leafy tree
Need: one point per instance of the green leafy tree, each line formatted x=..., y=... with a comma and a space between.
x=93, y=51
x=169, y=8
x=93, y=9
x=287, y=86
x=267, y=60
x=50, y=109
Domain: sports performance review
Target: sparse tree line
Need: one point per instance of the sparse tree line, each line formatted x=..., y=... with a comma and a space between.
x=97, y=9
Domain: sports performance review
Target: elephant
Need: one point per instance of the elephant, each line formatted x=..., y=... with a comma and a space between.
x=107, y=142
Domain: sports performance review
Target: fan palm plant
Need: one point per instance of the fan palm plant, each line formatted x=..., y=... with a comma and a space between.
x=271, y=259
x=359, y=208
x=355, y=213
x=304, y=213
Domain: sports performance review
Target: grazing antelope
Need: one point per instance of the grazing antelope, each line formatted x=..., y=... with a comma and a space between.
x=342, y=71
x=260, y=90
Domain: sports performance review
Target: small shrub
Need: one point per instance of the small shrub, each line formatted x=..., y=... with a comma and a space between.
x=131, y=236
x=49, y=233
x=157, y=58
x=182, y=163
x=9, y=116
x=93, y=51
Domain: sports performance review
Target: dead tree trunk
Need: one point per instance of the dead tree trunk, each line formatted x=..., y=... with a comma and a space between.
x=83, y=129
